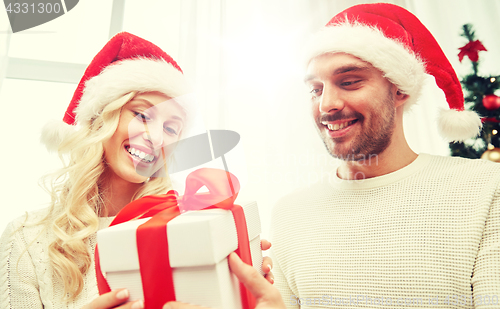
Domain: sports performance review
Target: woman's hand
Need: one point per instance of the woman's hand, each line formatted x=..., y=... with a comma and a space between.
x=266, y=295
x=267, y=263
x=115, y=299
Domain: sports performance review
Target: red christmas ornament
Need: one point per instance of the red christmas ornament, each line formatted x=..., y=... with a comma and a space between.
x=471, y=50
x=491, y=102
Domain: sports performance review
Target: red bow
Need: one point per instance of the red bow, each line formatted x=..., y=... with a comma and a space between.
x=471, y=50
x=156, y=272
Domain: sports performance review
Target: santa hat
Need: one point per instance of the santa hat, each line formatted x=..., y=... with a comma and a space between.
x=394, y=41
x=126, y=63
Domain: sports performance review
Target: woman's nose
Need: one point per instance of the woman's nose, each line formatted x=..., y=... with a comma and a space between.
x=154, y=134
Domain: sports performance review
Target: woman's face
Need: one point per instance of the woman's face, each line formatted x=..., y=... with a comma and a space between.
x=149, y=122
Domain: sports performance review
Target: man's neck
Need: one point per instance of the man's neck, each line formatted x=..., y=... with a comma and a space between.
x=390, y=160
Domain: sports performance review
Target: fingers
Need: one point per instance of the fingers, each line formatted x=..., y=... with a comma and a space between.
x=265, y=245
x=247, y=275
x=270, y=277
x=114, y=299
x=267, y=266
x=267, y=262
x=109, y=300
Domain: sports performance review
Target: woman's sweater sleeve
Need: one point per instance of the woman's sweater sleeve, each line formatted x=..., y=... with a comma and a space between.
x=18, y=281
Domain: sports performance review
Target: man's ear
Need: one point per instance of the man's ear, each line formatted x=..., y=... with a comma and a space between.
x=400, y=98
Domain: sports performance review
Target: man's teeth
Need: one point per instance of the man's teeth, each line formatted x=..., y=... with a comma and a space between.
x=141, y=155
x=337, y=126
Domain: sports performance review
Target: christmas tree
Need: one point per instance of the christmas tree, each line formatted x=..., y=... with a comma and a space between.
x=480, y=97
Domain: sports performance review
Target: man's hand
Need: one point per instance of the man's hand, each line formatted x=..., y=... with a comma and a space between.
x=266, y=295
x=267, y=263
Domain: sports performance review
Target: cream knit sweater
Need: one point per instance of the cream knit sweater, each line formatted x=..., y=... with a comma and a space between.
x=25, y=273
x=427, y=235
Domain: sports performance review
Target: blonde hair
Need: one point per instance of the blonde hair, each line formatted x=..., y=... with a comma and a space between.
x=76, y=196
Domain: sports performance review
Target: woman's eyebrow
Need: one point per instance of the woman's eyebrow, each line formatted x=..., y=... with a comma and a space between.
x=143, y=101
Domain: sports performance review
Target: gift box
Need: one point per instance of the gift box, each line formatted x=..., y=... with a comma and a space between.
x=198, y=245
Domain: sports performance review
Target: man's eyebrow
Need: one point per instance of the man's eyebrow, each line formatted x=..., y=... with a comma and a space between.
x=341, y=70
x=309, y=77
x=350, y=68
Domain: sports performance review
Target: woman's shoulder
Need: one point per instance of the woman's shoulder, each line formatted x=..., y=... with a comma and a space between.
x=27, y=226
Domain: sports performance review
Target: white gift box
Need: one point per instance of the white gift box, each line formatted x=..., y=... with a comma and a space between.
x=198, y=243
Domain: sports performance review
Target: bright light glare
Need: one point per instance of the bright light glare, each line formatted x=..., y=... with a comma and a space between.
x=261, y=55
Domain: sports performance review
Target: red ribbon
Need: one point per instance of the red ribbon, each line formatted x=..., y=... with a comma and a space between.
x=471, y=50
x=156, y=272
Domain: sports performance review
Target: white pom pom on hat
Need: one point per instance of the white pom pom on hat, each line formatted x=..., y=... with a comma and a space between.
x=125, y=64
x=394, y=41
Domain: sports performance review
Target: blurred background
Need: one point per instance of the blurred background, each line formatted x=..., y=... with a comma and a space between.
x=243, y=58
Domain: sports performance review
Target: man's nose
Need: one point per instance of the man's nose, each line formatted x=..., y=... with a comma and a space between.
x=330, y=100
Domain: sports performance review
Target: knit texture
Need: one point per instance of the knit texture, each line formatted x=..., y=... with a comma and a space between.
x=430, y=229
x=26, y=279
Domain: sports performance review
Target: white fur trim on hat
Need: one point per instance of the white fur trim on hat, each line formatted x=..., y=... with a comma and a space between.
x=399, y=65
x=54, y=132
x=139, y=74
x=457, y=125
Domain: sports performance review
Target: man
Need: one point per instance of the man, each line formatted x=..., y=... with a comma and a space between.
x=391, y=228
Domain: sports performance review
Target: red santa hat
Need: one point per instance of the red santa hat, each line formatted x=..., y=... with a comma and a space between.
x=126, y=63
x=394, y=41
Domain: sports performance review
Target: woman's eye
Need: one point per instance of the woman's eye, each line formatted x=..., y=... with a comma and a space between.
x=170, y=130
x=142, y=116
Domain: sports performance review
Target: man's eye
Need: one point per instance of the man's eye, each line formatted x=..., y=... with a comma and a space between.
x=315, y=91
x=349, y=83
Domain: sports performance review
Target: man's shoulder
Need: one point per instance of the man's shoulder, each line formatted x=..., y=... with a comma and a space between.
x=473, y=167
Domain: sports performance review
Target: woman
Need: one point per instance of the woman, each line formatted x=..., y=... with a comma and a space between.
x=117, y=122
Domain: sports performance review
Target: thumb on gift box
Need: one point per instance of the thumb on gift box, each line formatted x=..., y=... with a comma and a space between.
x=266, y=295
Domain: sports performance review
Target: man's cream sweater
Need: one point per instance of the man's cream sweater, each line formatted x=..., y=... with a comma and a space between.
x=427, y=235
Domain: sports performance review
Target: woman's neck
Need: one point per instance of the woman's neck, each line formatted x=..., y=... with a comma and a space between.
x=117, y=193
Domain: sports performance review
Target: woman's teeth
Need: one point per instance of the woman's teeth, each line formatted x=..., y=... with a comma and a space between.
x=141, y=155
x=337, y=126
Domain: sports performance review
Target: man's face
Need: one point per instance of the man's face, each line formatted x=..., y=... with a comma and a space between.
x=352, y=105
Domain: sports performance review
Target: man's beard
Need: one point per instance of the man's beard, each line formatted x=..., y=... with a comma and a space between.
x=374, y=138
